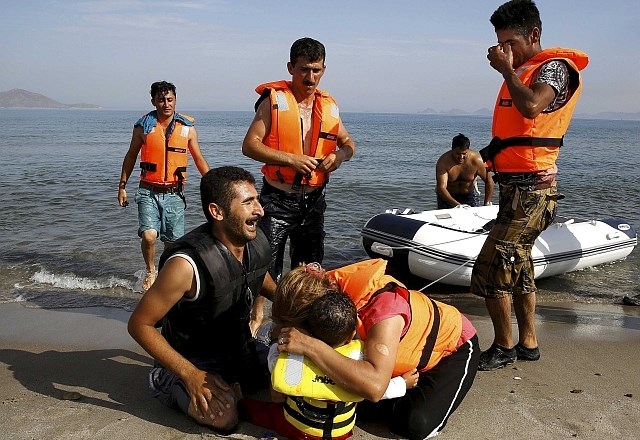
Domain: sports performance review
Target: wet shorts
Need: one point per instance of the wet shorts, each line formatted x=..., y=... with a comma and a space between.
x=470, y=199
x=163, y=213
x=505, y=266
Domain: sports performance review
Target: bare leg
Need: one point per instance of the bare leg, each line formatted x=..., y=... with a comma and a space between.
x=500, y=313
x=148, y=247
x=525, y=308
x=502, y=352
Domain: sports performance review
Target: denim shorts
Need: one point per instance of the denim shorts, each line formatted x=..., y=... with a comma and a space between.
x=162, y=212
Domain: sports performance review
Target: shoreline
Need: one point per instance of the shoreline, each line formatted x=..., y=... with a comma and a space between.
x=75, y=373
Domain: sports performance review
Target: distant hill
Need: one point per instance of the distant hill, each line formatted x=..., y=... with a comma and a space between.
x=19, y=98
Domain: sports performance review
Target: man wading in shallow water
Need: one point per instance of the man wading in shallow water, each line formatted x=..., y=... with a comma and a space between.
x=162, y=137
x=456, y=172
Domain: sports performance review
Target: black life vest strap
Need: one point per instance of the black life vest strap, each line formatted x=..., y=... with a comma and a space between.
x=497, y=145
x=179, y=173
x=431, y=339
x=524, y=141
x=433, y=334
x=328, y=136
x=317, y=417
x=386, y=288
x=265, y=94
x=148, y=166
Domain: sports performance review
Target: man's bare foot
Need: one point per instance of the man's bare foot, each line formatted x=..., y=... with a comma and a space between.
x=149, y=278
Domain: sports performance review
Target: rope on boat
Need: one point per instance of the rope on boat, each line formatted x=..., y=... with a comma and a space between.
x=445, y=275
x=563, y=221
x=418, y=246
x=446, y=242
x=413, y=247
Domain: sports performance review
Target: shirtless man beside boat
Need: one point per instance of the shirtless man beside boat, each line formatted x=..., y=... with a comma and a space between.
x=456, y=173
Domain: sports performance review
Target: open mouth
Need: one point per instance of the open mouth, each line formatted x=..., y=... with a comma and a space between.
x=252, y=223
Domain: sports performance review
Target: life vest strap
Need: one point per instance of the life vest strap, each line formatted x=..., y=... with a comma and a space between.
x=430, y=343
x=316, y=417
x=265, y=94
x=497, y=145
x=179, y=173
x=148, y=166
x=328, y=136
x=524, y=141
x=431, y=339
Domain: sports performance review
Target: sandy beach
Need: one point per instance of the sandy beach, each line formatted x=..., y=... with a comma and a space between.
x=76, y=374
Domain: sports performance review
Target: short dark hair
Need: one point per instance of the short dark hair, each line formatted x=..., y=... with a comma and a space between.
x=518, y=15
x=460, y=141
x=308, y=48
x=161, y=88
x=333, y=318
x=229, y=428
x=216, y=186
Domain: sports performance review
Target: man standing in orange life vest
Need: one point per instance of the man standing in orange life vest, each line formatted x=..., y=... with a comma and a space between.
x=531, y=116
x=298, y=134
x=163, y=138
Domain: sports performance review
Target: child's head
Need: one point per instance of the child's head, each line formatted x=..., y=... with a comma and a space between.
x=225, y=423
x=295, y=293
x=333, y=318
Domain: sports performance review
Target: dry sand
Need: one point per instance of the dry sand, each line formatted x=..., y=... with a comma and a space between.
x=76, y=374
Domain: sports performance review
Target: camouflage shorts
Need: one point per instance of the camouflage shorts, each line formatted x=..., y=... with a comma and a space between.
x=504, y=266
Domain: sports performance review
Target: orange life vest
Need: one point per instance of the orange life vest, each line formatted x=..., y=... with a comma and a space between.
x=534, y=144
x=286, y=130
x=362, y=280
x=164, y=161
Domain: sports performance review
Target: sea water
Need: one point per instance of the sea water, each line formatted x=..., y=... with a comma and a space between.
x=67, y=243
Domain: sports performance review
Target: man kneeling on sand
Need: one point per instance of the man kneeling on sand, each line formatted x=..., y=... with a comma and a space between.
x=206, y=287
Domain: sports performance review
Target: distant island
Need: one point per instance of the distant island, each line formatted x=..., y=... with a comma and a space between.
x=19, y=98
x=621, y=116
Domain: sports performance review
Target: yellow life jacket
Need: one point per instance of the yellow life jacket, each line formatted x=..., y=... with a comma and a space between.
x=320, y=418
x=363, y=280
x=315, y=404
x=534, y=144
x=286, y=130
x=164, y=161
x=296, y=375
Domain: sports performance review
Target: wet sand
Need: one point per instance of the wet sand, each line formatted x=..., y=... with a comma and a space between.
x=76, y=374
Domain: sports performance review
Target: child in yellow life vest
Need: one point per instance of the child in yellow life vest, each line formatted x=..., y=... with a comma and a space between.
x=316, y=408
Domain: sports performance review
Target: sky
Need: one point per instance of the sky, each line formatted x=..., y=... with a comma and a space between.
x=382, y=56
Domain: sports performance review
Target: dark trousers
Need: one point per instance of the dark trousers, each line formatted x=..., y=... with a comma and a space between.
x=298, y=217
x=470, y=199
x=425, y=409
